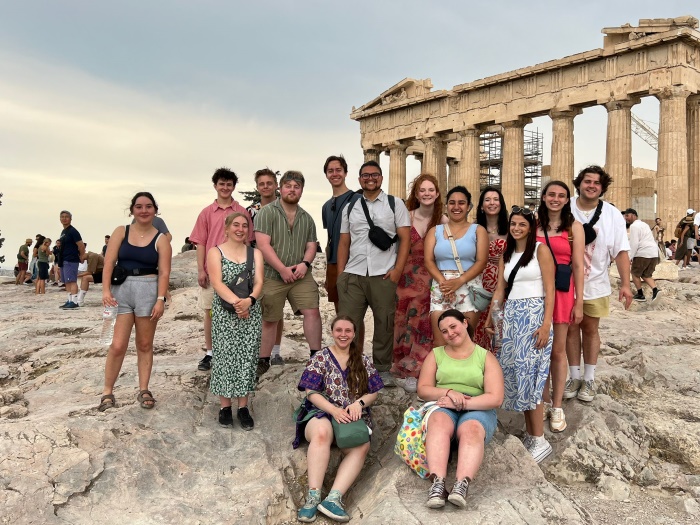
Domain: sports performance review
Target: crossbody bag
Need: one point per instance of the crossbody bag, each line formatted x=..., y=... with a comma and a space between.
x=479, y=296
x=562, y=272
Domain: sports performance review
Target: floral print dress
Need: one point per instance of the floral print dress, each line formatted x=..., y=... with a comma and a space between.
x=489, y=280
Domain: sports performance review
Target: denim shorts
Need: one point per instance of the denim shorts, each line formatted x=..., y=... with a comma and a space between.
x=137, y=295
x=487, y=418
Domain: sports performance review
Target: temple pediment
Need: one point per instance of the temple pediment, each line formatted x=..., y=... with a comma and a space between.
x=407, y=89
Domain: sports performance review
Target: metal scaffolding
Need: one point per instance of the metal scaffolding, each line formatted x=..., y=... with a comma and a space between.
x=491, y=157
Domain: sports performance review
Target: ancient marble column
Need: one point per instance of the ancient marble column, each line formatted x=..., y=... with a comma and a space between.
x=694, y=152
x=372, y=154
x=513, y=171
x=672, y=168
x=453, y=167
x=562, y=167
x=397, y=169
x=419, y=158
x=435, y=160
x=469, y=166
x=618, y=152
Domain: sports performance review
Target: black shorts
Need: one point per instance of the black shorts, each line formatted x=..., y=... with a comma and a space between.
x=97, y=277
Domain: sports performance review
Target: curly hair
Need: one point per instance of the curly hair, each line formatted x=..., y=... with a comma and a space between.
x=412, y=203
x=605, y=179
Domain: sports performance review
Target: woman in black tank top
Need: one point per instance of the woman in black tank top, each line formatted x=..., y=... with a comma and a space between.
x=145, y=255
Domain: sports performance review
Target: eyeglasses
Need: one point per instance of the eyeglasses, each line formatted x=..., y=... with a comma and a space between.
x=523, y=211
x=367, y=176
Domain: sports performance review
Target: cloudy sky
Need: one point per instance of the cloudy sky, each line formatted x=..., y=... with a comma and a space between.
x=100, y=100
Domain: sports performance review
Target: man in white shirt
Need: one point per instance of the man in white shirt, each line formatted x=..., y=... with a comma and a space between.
x=368, y=275
x=644, y=253
x=609, y=242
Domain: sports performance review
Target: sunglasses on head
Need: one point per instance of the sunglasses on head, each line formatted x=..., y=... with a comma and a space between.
x=523, y=211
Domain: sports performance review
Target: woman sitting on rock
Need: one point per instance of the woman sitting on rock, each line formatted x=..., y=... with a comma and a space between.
x=467, y=383
x=145, y=255
x=340, y=383
x=235, y=336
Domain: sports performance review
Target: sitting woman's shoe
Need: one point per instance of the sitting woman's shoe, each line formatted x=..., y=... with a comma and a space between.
x=332, y=507
x=307, y=513
x=437, y=494
x=458, y=496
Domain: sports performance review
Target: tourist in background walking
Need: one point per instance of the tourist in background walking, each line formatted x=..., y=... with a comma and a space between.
x=22, y=261
x=42, y=264
x=72, y=252
x=644, y=255
x=686, y=243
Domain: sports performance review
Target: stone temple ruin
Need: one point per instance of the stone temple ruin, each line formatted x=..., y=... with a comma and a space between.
x=658, y=57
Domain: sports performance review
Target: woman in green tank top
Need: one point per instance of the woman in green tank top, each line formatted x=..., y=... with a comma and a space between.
x=466, y=383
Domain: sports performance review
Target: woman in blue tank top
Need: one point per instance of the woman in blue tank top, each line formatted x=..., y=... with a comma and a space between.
x=145, y=255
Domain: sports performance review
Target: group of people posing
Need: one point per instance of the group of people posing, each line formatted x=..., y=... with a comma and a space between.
x=472, y=315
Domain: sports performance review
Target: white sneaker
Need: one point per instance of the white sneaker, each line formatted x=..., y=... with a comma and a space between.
x=546, y=411
x=409, y=384
x=81, y=303
x=557, y=420
x=539, y=448
x=587, y=392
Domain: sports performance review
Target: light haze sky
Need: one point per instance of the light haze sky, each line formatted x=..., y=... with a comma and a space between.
x=99, y=100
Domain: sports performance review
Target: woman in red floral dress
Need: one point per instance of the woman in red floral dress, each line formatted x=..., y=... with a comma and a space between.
x=413, y=335
x=492, y=214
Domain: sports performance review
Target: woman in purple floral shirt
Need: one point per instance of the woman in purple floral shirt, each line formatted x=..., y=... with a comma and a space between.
x=340, y=383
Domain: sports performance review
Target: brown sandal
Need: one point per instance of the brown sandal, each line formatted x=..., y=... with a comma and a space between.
x=146, y=399
x=106, y=401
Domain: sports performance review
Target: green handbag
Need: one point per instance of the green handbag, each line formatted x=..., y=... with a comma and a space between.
x=350, y=435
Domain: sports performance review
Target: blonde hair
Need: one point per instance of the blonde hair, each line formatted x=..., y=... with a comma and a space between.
x=234, y=215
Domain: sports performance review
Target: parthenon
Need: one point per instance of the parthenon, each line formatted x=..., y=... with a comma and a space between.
x=658, y=57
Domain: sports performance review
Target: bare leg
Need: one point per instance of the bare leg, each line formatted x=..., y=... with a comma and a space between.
x=438, y=340
x=471, y=436
x=117, y=350
x=207, y=329
x=437, y=443
x=242, y=401
x=269, y=330
x=319, y=434
x=591, y=339
x=350, y=467
x=312, y=328
x=534, y=422
x=573, y=344
x=225, y=402
x=280, y=331
x=651, y=282
x=558, y=367
x=637, y=282
x=72, y=288
x=145, y=330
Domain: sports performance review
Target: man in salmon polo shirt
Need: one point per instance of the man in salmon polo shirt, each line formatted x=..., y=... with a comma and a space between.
x=209, y=232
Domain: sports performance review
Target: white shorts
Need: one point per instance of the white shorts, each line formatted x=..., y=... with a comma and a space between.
x=461, y=302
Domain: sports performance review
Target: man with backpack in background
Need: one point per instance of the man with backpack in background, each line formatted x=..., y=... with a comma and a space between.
x=685, y=232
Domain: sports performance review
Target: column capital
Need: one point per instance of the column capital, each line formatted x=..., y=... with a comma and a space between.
x=694, y=99
x=672, y=92
x=432, y=136
x=474, y=131
x=451, y=161
x=564, y=113
x=520, y=122
x=616, y=105
x=396, y=144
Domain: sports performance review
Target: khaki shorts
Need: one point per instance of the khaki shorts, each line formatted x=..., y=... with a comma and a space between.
x=302, y=295
x=644, y=266
x=332, y=282
x=597, y=307
x=205, y=297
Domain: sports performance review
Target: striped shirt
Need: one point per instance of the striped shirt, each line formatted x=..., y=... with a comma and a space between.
x=289, y=243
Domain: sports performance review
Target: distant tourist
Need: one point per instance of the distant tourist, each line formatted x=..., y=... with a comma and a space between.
x=72, y=252
x=43, y=254
x=413, y=333
x=685, y=231
x=668, y=251
x=658, y=232
x=456, y=254
x=144, y=254
x=235, y=335
x=286, y=235
x=56, y=268
x=566, y=241
x=606, y=241
x=188, y=246
x=644, y=254
x=33, y=269
x=209, y=232
x=369, y=270
x=340, y=384
x=92, y=274
x=266, y=184
x=23, y=261
x=492, y=214
x=104, y=248
x=466, y=382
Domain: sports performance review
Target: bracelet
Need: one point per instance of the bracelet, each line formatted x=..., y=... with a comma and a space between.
x=448, y=391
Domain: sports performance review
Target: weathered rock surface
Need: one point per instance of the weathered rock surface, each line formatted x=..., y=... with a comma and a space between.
x=632, y=455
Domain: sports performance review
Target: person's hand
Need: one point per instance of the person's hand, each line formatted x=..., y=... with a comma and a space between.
x=300, y=271
x=450, y=286
x=488, y=328
x=242, y=305
x=541, y=335
x=243, y=315
x=287, y=274
x=340, y=415
x=393, y=275
x=108, y=299
x=168, y=298
x=158, y=310
x=202, y=279
x=354, y=411
x=625, y=296
x=577, y=313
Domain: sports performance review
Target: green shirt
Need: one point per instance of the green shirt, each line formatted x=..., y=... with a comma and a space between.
x=462, y=375
x=24, y=249
x=289, y=243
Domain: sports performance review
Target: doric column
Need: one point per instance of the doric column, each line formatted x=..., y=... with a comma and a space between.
x=618, y=152
x=467, y=173
x=672, y=168
x=513, y=170
x=397, y=169
x=419, y=158
x=562, y=167
x=453, y=167
x=435, y=160
x=372, y=154
x=694, y=152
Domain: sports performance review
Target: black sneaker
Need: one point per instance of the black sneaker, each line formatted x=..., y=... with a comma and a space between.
x=205, y=363
x=263, y=366
x=640, y=297
x=247, y=422
x=655, y=294
x=226, y=417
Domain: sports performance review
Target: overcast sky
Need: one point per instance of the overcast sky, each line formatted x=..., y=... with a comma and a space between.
x=101, y=100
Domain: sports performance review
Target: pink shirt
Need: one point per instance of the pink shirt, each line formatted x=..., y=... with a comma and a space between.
x=209, y=228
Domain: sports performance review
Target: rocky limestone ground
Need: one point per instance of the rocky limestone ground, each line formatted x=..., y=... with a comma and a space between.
x=631, y=456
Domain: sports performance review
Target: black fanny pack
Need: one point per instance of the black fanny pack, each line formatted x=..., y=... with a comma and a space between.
x=120, y=274
x=376, y=235
x=588, y=231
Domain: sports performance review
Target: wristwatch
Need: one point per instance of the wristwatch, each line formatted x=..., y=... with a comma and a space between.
x=253, y=300
x=162, y=298
x=307, y=263
x=362, y=403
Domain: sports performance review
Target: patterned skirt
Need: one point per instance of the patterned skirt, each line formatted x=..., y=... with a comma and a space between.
x=525, y=368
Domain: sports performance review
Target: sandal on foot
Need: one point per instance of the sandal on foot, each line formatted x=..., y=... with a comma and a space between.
x=106, y=401
x=146, y=399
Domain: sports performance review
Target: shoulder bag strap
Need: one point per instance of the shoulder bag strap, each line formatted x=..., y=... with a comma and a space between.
x=596, y=215
x=546, y=238
x=511, y=278
x=454, y=248
x=364, y=208
x=249, y=260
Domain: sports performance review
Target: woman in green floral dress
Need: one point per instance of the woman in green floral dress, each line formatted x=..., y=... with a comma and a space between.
x=235, y=336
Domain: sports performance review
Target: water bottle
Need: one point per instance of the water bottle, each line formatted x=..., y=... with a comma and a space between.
x=497, y=320
x=109, y=318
